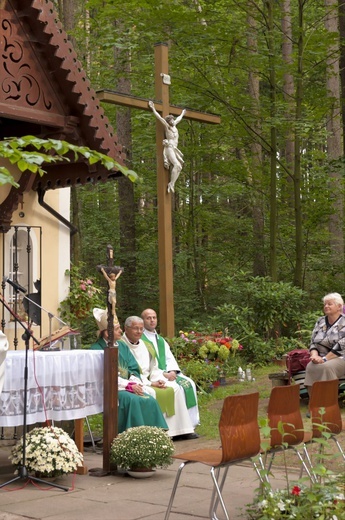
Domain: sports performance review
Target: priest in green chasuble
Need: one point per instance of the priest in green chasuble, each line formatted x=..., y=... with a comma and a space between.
x=169, y=394
x=136, y=406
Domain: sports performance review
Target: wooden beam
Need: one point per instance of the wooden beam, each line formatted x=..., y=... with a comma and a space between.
x=126, y=100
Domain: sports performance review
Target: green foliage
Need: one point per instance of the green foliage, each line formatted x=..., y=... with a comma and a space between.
x=302, y=502
x=84, y=295
x=203, y=374
x=269, y=307
x=19, y=151
x=264, y=315
x=324, y=497
x=96, y=425
x=280, y=346
x=221, y=209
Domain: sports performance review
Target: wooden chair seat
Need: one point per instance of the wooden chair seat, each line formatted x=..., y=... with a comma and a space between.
x=325, y=415
x=211, y=457
x=240, y=440
x=286, y=426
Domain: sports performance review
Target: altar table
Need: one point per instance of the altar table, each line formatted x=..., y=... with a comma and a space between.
x=62, y=385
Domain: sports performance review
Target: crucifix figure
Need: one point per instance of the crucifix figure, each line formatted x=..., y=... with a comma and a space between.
x=162, y=107
x=172, y=156
x=111, y=276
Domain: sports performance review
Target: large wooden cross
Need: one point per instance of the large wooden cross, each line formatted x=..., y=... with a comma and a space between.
x=162, y=105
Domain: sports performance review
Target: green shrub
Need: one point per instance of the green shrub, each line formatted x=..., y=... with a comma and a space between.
x=266, y=307
x=203, y=374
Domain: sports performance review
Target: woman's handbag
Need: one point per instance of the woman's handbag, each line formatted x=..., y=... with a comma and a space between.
x=297, y=360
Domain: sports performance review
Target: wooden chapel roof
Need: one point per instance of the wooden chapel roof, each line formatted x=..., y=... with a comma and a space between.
x=44, y=92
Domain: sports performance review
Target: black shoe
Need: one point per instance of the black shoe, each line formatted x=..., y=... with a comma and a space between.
x=190, y=436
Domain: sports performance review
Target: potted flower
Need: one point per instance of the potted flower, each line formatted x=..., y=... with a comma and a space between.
x=49, y=452
x=141, y=449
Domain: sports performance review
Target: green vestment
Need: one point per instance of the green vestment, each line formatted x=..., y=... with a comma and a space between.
x=187, y=387
x=134, y=410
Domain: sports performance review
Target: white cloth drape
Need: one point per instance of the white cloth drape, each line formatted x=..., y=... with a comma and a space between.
x=3, y=352
x=62, y=385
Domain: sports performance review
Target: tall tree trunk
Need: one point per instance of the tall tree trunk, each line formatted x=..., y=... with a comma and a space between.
x=342, y=65
x=334, y=138
x=256, y=153
x=127, y=207
x=297, y=178
x=68, y=17
x=289, y=94
x=273, y=148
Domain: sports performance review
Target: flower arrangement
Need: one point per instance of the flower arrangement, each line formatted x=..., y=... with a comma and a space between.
x=214, y=347
x=324, y=500
x=214, y=351
x=142, y=447
x=206, y=358
x=49, y=452
x=83, y=296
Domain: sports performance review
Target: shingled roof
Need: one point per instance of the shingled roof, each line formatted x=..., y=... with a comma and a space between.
x=44, y=92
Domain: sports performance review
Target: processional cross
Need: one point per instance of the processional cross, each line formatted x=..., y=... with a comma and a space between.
x=162, y=105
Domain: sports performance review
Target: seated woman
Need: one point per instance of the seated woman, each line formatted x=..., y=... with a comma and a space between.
x=327, y=348
x=136, y=407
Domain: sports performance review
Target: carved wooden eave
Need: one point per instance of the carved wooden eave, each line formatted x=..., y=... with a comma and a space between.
x=45, y=92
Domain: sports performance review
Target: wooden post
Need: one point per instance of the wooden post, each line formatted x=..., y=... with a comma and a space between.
x=110, y=398
x=165, y=256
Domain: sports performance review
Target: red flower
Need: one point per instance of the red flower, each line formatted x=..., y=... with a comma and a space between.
x=296, y=491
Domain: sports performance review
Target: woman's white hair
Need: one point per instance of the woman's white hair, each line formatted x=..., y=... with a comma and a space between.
x=335, y=297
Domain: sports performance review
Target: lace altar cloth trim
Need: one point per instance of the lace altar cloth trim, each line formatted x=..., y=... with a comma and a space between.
x=71, y=383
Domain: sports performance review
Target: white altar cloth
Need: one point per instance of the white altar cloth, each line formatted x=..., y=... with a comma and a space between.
x=62, y=385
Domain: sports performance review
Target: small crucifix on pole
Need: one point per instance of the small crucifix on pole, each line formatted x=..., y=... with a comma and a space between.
x=162, y=109
x=110, y=398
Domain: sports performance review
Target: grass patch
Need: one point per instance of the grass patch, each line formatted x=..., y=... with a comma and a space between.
x=210, y=405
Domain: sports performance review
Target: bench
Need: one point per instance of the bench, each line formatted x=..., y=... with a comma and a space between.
x=299, y=379
x=283, y=379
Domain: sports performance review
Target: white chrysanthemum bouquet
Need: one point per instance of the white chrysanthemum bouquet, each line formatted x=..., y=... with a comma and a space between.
x=142, y=447
x=49, y=452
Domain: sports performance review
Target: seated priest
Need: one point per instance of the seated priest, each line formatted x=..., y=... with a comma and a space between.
x=136, y=406
x=169, y=394
x=167, y=362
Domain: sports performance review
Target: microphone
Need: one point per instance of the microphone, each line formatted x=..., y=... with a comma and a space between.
x=16, y=286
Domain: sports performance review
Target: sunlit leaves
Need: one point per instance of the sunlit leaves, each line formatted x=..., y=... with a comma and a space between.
x=20, y=151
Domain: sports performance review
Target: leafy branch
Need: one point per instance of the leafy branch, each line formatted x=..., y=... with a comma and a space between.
x=47, y=151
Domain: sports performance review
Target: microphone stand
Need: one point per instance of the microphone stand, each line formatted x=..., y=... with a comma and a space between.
x=22, y=469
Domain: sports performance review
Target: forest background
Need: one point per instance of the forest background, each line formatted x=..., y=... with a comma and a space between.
x=258, y=210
